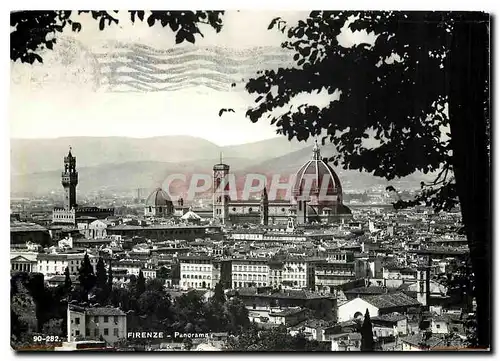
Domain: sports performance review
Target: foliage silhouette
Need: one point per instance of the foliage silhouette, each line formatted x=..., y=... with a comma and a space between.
x=86, y=277
x=414, y=99
x=37, y=30
x=141, y=284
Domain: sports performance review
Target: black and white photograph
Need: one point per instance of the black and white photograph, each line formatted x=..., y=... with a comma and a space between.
x=250, y=181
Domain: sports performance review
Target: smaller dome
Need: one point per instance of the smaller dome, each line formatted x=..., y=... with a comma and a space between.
x=158, y=198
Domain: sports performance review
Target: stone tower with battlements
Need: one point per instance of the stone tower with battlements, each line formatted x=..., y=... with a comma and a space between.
x=69, y=180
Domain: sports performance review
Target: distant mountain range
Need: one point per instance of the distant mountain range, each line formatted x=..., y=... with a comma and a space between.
x=40, y=155
x=119, y=164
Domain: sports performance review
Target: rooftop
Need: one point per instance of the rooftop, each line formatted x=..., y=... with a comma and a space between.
x=419, y=341
x=286, y=312
x=389, y=318
x=104, y=311
x=26, y=227
x=371, y=290
x=390, y=300
x=292, y=294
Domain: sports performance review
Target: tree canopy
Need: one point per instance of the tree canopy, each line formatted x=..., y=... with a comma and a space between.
x=37, y=30
x=411, y=97
x=275, y=339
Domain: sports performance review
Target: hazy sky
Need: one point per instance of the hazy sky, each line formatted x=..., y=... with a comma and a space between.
x=59, y=98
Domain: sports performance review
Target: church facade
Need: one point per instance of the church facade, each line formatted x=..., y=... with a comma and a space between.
x=317, y=198
x=70, y=213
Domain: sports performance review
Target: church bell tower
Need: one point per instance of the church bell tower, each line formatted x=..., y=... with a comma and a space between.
x=221, y=192
x=69, y=180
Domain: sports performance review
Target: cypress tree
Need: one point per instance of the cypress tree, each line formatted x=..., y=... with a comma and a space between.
x=86, y=277
x=67, y=280
x=141, y=284
x=110, y=277
x=367, y=333
x=219, y=297
x=101, y=274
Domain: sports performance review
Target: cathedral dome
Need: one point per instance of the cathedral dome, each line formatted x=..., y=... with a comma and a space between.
x=317, y=179
x=158, y=198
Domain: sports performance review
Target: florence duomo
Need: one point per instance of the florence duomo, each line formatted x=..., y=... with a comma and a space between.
x=250, y=180
x=317, y=197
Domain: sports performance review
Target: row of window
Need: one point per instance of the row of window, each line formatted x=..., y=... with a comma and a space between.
x=238, y=276
x=64, y=216
x=294, y=276
x=200, y=277
x=77, y=262
x=248, y=284
x=88, y=332
x=196, y=268
x=96, y=319
x=295, y=264
x=196, y=284
x=336, y=272
x=250, y=268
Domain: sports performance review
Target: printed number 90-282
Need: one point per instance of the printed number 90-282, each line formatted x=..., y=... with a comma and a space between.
x=46, y=339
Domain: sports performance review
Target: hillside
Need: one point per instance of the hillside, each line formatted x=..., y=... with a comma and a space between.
x=118, y=164
x=352, y=180
x=41, y=155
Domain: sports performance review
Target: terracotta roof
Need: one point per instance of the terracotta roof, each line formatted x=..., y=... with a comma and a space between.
x=104, y=311
x=371, y=290
x=417, y=340
x=389, y=318
x=286, y=312
x=390, y=300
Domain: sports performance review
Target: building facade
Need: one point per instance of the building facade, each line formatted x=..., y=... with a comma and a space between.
x=95, y=323
x=250, y=272
x=50, y=264
x=197, y=272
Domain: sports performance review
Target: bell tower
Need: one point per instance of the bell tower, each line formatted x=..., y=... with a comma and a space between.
x=69, y=180
x=221, y=192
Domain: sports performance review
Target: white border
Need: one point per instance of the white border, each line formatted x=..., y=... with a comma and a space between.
x=7, y=6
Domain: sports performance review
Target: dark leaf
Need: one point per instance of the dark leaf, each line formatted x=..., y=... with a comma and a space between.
x=190, y=37
x=151, y=20
x=76, y=27
x=273, y=23
x=174, y=25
